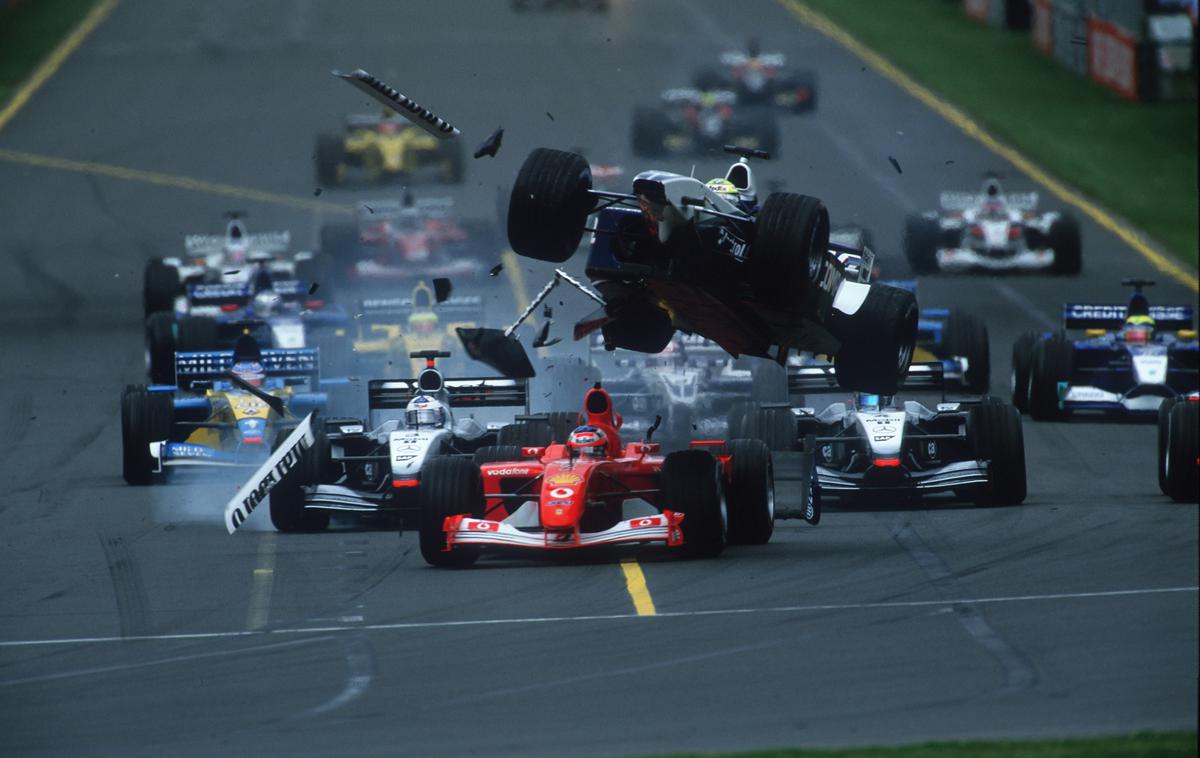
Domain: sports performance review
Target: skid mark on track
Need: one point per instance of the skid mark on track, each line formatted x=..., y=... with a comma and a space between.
x=130, y=593
x=360, y=668
x=1055, y=597
x=1019, y=673
x=50, y=288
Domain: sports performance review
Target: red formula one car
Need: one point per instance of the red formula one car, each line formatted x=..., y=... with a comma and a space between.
x=712, y=493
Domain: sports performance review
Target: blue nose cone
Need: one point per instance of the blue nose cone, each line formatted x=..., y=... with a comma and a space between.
x=252, y=430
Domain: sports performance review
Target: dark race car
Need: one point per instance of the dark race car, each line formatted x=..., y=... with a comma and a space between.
x=1129, y=359
x=691, y=121
x=677, y=254
x=763, y=79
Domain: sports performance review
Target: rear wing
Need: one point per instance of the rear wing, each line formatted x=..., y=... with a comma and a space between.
x=266, y=242
x=1170, y=318
x=458, y=306
x=394, y=394
x=920, y=376
x=961, y=201
x=295, y=365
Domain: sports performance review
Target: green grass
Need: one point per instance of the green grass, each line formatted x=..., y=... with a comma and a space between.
x=1136, y=159
x=1141, y=745
x=29, y=29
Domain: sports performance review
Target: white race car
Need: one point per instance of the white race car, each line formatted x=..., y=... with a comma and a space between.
x=992, y=231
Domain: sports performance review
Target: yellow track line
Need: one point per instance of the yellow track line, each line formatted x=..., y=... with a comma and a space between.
x=59, y=54
x=168, y=180
x=260, y=588
x=635, y=583
x=1131, y=237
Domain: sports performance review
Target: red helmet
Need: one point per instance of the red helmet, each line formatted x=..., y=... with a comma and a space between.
x=588, y=441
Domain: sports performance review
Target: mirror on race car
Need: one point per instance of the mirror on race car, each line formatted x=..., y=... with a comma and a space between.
x=501, y=352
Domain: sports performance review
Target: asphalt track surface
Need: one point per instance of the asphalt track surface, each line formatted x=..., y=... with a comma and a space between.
x=132, y=624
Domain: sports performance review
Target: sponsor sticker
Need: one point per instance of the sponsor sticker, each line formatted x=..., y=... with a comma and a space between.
x=510, y=472
x=558, y=502
x=566, y=479
x=286, y=457
x=562, y=492
x=642, y=523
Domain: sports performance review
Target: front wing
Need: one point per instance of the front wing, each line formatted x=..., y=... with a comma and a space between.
x=966, y=259
x=947, y=477
x=464, y=530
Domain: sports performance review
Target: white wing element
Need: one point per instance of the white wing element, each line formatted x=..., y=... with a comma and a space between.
x=254, y=492
x=390, y=97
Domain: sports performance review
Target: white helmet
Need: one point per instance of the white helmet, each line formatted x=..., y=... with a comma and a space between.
x=423, y=410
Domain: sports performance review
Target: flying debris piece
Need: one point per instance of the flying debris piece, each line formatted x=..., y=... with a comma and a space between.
x=547, y=312
x=895, y=164
x=419, y=115
x=317, y=192
x=543, y=336
x=441, y=289
x=233, y=272
x=496, y=269
x=949, y=162
x=549, y=115
x=369, y=209
x=490, y=145
x=312, y=289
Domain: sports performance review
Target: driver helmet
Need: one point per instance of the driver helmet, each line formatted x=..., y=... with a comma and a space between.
x=589, y=442
x=1139, y=329
x=250, y=371
x=868, y=401
x=265, y=303
x=423, y=410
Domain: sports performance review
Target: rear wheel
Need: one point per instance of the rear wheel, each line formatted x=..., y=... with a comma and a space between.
x=1180, y=465
x=329, y=157
x=751, y=494
x=160, y=287
x=768, y=382
x=1022, y=365
x=549, y=205
x=526, y=434
x=921, y=244
x=288, y=513
x=775, y=427
x=650, y=129
x=877, y=341
x=496, y=454
x=997, y=437
x=196, y=334
x=1052, y=360
x=450, y=486
x=145, y=417
x=790, y=246
x=966, y=336
x=160, y=347
x=1068, y=251
x=691, y=485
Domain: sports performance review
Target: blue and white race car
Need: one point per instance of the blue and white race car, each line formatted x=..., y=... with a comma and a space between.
x=1129, y=359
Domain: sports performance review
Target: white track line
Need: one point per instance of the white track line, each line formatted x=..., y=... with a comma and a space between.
x=605, y=617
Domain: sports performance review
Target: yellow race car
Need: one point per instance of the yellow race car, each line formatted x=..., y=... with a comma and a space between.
x=378, y=148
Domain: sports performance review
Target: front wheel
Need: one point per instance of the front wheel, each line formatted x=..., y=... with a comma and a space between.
x=450, y=486
x=751, y=494
x=1052, y=361
x=877, y=340
x=997, y=437
x=1180, y=467
x=1022, y=365
x=145, y=417
x=691, y=485
x=790, y=247
x=1068, y=250
x=549, y=205
x=921, y=244
x=966, y=336
x=288, y=513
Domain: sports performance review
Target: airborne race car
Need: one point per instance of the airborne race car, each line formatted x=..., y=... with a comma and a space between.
x=690, y=121
x=226, y=408
x=762, y=78
x=375, y=148
x=381, y=466
x=874, y=445
x=676, y=254
x=1129, y=360
x=233, y=258
x=992, y=231
x=705, y=496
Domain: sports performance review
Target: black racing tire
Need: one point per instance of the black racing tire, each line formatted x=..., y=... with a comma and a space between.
x=640, y=326
x=1180, y=467
x=1022, y=366
x=735, y=419
x=452, y=160
x=790, y=250
x=160, y=347
x=690, y=484
x=1164, y=425
x=751, y=492
x=1053, y=359
x=549, y=205
x=966, y=336
x=195, y=334
x=1068, y=249
x=562, y=423
x=921, y=236
x=145, y=417
x=996, y=436
x=526, y=434
x=877, y=341
x=775, y=426
x=160, y=286
x=288, y=513
x=497, y=454
x=768, y=382
x=649, y=134
x=450, y=486
x=329, y=156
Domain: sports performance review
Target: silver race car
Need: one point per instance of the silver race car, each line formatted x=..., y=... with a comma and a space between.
x=992, y=231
